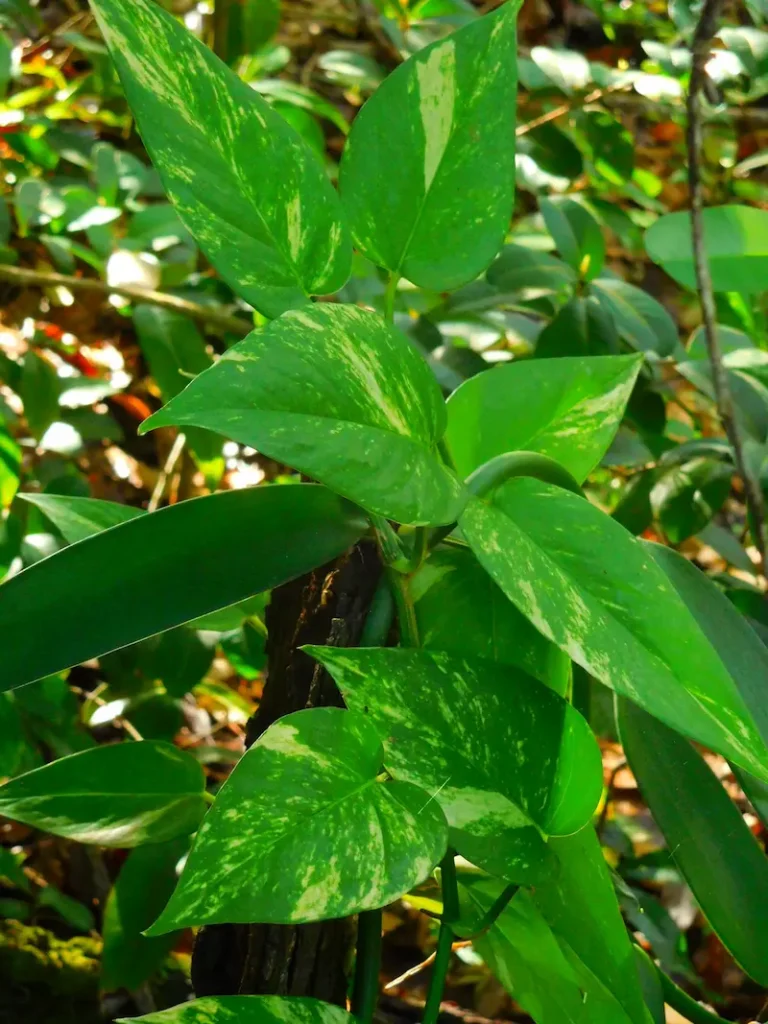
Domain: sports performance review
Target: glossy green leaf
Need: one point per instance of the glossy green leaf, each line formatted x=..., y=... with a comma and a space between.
x=611, y=145
x=582, y=327
x=498, y=776
x=686, y=497
x=247, y=1010
x=460, y=609
x=577, y=234
x=10, y=467
x=428, y=172
x=519, y=268
x=338, y=394
x=305, y=829
x=712, y=845
x=538, y=968
x=596, y=591
x=639, y=318
x=78, y=518
x=250, y=190
x=121, y=794
x=738, y=645
x=568, y=409
x=736, y=239
x=39, y=391
x=253, y=540
x=578, y=901
x=143, y=887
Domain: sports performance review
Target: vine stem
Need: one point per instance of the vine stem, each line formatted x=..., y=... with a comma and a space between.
x=684, y=1004
x=406, y=612
x=389, y=297
x=204, y=315
x=700, y=50
x=444, y=939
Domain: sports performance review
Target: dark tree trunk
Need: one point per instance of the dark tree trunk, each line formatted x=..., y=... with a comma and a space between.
x=327, y=606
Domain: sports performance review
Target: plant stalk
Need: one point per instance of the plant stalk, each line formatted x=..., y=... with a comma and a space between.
x=685, y=1005
x=700, y=50
x=444, y=939
x=202, y=314
x=365, y=991
x=406, y=612
x=389, y=297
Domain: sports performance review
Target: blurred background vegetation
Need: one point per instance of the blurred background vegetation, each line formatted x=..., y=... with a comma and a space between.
x=108, y=308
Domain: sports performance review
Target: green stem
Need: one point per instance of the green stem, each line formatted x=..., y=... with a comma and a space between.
x=495, y=472
x=444, y=939
x=406, y=613
x=685, y=1005
x=389, y=297
x=490, y=917
x=365, y=992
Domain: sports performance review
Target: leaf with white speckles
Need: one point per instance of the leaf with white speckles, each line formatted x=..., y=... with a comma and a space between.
x=506, y=758
x=304, y=830
x=247, y=186
x=428, y=172
x=121, y=794
x=333, y=392
x=247, y=1010
x=597, y=592
x=568, y=409
x=460, y=609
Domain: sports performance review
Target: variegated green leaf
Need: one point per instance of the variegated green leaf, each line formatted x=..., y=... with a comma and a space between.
x=460, y=609
x=305, y=829
x=336, y=393
x=504, y=756
x=568, y=409
x=247, y=186
x=428, y=171
x=78, y=518
x=247, y=1010
x=594, y=589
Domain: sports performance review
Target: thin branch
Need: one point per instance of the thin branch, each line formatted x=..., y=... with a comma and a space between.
x=204, y=315
x=700, y=49
x=170, y=464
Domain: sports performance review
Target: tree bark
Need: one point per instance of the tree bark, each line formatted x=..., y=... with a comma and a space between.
x=327, y=606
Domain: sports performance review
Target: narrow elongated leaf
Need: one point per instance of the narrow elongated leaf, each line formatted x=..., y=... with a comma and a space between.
x=578, y=901
x=248, y=541
x=338, y=394
x=568, y=409
x=717, y=854
x=78, y=518
x=247, y=1010
x=142, y=889
x=736, y=240
x=122, y=794
x=739, y=647
x=577, y=235
x=537, y=967
x=460, y=609
x=595, y=591
x=640, y=319
x=246, y=185
x=303, y=829
x=504, y=754
x=428, y=172
x=10, y=466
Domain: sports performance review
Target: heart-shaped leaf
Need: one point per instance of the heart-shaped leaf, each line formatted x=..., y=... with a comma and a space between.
x=566, y=408
x=247, y=186
x=121, y=794
x=338, y=394
x=505, y=757
x=594, y=590
x=428, y=172
x=160, y=570
x=304, y=829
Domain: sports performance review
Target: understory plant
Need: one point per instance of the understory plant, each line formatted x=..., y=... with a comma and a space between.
x=461, y=771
